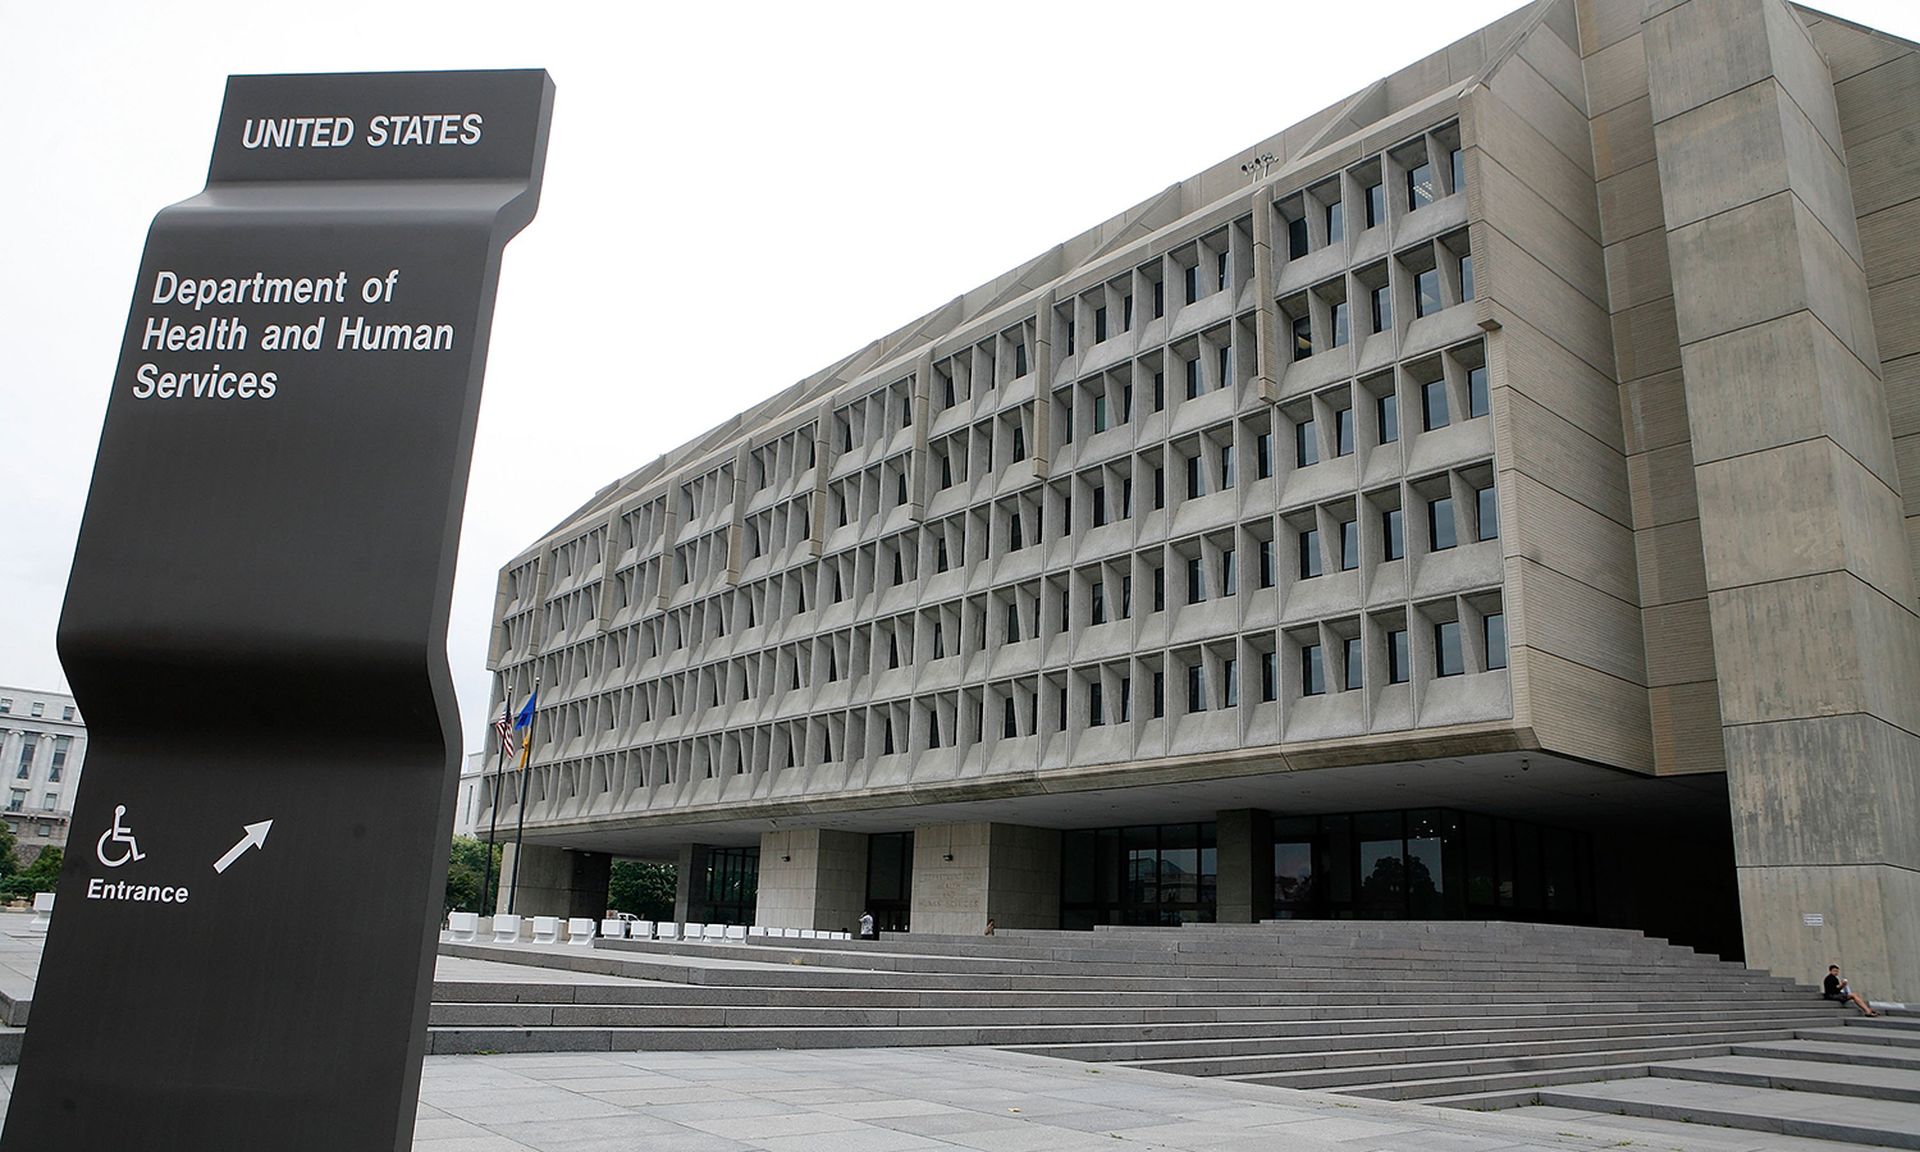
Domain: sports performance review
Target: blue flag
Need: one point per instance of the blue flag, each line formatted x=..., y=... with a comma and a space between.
x=525, y=719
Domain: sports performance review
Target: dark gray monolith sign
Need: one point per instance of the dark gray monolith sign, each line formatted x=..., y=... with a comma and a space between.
x=255, y=627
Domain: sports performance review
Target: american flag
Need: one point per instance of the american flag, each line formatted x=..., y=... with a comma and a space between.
x=504, y=727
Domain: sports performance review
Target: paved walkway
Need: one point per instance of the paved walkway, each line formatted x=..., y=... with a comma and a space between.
x=898, y=1100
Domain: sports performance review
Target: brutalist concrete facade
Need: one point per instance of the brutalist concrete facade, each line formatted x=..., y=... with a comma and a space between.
x=1524, y=433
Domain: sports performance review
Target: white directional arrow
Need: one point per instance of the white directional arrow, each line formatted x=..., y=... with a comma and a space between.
x=256, y=837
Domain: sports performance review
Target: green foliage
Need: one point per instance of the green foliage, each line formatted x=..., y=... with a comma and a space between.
x=40, y=876
x=467, y=872
x=9, y=861
x=642, y=888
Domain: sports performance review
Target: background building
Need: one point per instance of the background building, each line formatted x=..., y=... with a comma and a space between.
x=43, y=742
x=1484, y=498
x=466, y=811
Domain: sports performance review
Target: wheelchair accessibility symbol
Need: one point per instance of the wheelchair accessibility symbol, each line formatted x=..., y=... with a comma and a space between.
x=128, y=849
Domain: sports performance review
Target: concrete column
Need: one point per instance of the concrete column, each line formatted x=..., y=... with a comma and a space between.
x=812, y=878
x=554, y=881
x=1809, y=587
x=683, y=880
x=1244, y=853
x=966, y=874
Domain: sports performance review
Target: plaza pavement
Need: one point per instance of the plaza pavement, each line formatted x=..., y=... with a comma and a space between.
x=905, y=1099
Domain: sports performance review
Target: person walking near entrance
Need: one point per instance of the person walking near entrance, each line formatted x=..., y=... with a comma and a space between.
x=1836, y=988
x=866, y=926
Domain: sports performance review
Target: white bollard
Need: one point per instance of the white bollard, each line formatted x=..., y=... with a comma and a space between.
x=580, y=931
x=546, y=929
x=463, y=926
x=506, y=929
x=42, y=912
x=613, y=929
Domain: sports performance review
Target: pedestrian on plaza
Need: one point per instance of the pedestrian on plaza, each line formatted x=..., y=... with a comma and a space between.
x=866, y=927
x=1836, y=989
x=989, y=930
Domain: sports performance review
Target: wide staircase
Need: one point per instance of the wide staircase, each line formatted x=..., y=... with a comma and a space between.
x=1401, y=1010
x=1553, y=1021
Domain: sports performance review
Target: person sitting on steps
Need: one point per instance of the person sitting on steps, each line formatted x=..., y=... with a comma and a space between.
x=1836, y=989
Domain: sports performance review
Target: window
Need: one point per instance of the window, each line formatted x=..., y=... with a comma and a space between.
x=1340, y=324
x=887, y=745
x=1196, y=689
x=1487, y=513
x=1193, y=283
x=1126, y=597
x=1066, y=515
x=1355, y=671
x=1099, y=413
x=1097, y=604
x=1159, y=695
x=1426, y=293
x=1009, y=722
x=66, y=713
x=1446, y=649
x=1382, y=298
x=1266, y=564
x=1126, y=313
x=1343, y=432
x=1387, y=411
x=1159, y=299
x=1069, y=337
x=1230, y=687
x=1126, y=498
x=1269, y=677
x=1397, y=668
x=1016, y=536
x=1495, y=629
x=940, y=563
x=1100, y=325
x=1477, y=404
x=1220, y=271
x=1159, y=487
x=6, y=704
x=1225, y=365
x=1099, y=505
x=1440, y=534
x=1196, y=580
x=1096, y=710
x=1433, y=404
x=1376, y=205
x=1019, y=360
x=1336, y=231
x=1306, y=444
x=1226, y=467
x=1159, y=391
x=899, y=571
x=1420, y=188
x=1310, y=554
x=1349, y=545
x=1313, y=671
x=16, y=800
x=1302, y=337
x=1193, y=379
x=946, y=472
x=39, y=708
x=1229, y=574
x=1196, y=477
x=1159, y=589
x=1296, y=238
x=1013, y=623
x=1066, y=624
x=1466, y=278
x=1126, y=403
x=1263, y=451
x=1458, y=160
x=1393, y=530
x=1019, y=443
x=1126, y=699
x=939, y=642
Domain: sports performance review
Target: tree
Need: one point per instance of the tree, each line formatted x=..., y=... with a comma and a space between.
x=466, y=873
x=40, y=876
x=9, y=860
x=642, y=888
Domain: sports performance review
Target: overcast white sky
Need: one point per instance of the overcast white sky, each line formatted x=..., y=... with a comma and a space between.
x=736, y=195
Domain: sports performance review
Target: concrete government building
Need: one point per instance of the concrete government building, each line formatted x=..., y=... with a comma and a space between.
x=1496, y=496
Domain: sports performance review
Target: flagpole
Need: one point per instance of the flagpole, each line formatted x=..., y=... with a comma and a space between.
x=493, y=825
x=526, y=770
